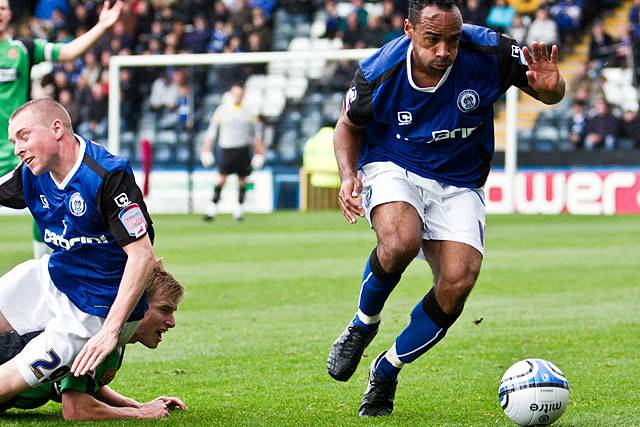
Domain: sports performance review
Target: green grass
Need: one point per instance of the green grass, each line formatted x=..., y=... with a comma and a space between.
x=266, y=298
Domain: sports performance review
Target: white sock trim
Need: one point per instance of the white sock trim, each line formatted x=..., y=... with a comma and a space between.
x=392, y=357
x=368, y=320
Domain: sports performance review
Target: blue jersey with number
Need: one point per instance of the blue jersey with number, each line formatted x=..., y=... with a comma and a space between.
x=443, y=133
x=85, y=219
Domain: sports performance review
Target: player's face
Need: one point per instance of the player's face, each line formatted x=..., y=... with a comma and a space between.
x=157, y=320
x=435, y=39
x=5, y=15
x=237, y=93
x=35, y=144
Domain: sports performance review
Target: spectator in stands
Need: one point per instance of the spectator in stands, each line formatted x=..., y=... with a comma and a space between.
x=352, y=34
x=568, y=15
x=361, y=13
x=576, y=124
x=164, y=92
x=396, y=30
x=44, y=9
x=543, y=29
x=260, y=26
x=474, y=12
x=500, y=16
x=601, y=47
x=630, y=129
x=584, y=87
x=601, y=128
x=66, y=99
x=374, y=34
x=197, y=40
x=332, y=20
x=527, y=8
x=90, y=70
x=94, y=118
x=518, y=31
x=634, y=18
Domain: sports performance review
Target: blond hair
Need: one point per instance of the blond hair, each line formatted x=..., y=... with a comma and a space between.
x=162, y=283
x=46, y=110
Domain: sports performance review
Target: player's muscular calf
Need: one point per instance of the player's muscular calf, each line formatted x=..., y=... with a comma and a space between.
x=455, y=268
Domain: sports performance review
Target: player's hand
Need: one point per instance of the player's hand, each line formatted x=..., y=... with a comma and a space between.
x=543, y=75
x=207, y=159
x=350, y=199
x=94, y=352
x=173, y=402
x=257, y=161
x=109, y=16
x=157, y=408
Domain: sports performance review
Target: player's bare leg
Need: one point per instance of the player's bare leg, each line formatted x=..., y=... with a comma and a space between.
x=11, y=382
x=212, y=206
x=398, y=229
x=5, y=326
x=242, y=190
x=455, y=269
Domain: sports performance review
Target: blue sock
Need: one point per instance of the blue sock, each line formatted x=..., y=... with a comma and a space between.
x=377, y=285
x=428, y=325
x=386, y=370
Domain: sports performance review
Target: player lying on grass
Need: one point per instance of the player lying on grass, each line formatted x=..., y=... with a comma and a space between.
x=89, y=397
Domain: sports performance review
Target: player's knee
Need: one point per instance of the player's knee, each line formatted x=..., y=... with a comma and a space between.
x=396, y=251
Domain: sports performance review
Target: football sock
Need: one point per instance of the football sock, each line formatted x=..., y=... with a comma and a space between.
x=241, y=193
x=377, y=285
x=428, y=325
x=386, y=368
x=216, y=193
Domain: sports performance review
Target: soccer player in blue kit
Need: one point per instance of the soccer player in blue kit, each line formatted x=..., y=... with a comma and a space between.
x=414, y=144
x=88, y=296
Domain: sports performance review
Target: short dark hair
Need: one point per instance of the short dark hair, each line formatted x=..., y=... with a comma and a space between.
x=416, y=6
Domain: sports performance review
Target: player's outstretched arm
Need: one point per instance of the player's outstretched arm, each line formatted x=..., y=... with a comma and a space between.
x=545, y=82
x=108, y=16
x=80, y=406
x=137, y=271
x=346, y=145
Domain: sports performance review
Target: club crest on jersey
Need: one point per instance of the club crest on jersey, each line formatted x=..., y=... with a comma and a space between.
x=404, y=118
x=351, y=96
x=45, y=202
x=133, y=220
x=468, y=100
x=77, y=205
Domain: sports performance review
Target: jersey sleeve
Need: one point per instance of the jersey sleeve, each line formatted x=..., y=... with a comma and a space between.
x=41, y=50
x=358, y=100
x=11, y=194
x=104, y=374
x=123, y=209
x=513, y=68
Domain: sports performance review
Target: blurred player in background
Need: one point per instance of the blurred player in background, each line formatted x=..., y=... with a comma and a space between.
x=89, y=397
x=17, y=56
x=88, y=296
x=418, y=119
x=239, y=136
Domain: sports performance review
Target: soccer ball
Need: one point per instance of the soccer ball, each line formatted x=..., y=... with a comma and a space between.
x=533, y=392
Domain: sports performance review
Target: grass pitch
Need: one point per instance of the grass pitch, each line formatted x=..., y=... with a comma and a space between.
x=266, y=298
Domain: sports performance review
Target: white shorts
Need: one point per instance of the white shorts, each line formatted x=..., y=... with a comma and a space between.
x=448, y=212
x=31, y=302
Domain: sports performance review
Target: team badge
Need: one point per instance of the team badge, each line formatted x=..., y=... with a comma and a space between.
x=12, y=53
x=77, y=205
x=122, y=200
x=352, y=94
x=468, y=100
x=133, y=220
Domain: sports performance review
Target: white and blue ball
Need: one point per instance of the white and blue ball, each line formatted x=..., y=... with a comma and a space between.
x=533, y=392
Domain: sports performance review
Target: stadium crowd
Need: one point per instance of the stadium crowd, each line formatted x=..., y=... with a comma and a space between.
x=198, y=26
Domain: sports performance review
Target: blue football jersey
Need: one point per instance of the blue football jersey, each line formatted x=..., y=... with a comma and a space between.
x=443, y=133
x=86, y=219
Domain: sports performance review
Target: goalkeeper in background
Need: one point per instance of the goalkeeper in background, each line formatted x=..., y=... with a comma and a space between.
x=17, y=56
x=239, y=134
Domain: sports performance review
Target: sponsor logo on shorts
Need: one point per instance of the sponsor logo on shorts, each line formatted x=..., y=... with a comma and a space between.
x=133, y=220
x=77, y=205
